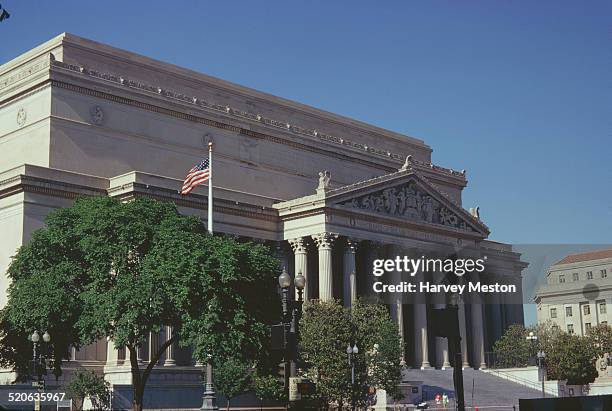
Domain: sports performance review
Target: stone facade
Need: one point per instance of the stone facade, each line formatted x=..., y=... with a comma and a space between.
x=82, y=118
x=577, y=296
x=578, y=292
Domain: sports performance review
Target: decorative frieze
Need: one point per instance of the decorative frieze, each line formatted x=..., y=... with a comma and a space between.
x=408, y=201
x=199, y=102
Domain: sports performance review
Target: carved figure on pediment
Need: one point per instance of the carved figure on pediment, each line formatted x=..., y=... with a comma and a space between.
x=447, y=217
x=427, y=209
x=379, y=203
x=390, y=199
x=411, y=209
x=401, y=201
x=366, y=202
x=411, y=198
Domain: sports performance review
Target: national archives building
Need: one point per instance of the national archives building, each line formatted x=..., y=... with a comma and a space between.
x=329, y=194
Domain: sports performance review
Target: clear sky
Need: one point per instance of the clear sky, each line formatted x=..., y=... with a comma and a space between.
x=516, y=92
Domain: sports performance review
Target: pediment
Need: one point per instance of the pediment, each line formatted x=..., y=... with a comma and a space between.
x=405, y=197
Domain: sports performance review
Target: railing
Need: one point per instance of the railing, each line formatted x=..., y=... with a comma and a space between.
x=522, y=381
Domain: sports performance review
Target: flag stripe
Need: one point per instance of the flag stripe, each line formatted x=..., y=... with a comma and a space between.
x=197, y=175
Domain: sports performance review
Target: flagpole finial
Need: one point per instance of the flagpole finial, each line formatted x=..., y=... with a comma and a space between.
x=210, y=144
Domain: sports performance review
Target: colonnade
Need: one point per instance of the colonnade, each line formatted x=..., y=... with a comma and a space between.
x=325, y=244
x=425, y=350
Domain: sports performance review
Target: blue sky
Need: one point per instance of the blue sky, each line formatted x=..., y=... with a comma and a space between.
x=516, y=92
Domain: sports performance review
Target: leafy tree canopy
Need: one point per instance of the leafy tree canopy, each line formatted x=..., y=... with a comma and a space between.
x=326, y=329
x=105, y=268
x=89, y=384
x=232, y=377
x=568, y=357
x=513, y=349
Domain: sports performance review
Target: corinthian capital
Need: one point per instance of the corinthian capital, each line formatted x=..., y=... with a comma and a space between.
x=351, y=244
x=325, y=240
x=298, y=244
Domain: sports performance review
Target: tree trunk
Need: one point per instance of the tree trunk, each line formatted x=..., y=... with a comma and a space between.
x=137, y=385
x=228, y=404
x=139, y=382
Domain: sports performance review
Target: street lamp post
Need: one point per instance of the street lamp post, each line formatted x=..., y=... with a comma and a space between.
x=209, y=398
x=292, y=312
x=351, y=353
x=39, y=354
x=542, y=369
x=540, y=356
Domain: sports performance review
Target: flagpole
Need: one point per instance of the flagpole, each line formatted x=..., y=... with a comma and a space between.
x=210, y=183
x=209, y=398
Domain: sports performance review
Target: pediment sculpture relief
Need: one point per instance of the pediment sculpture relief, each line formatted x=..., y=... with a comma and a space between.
x=408, y=201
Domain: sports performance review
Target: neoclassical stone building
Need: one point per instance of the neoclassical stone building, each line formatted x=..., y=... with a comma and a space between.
x=328, y=192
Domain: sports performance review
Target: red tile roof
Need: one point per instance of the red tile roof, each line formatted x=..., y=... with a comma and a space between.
x=588, y=256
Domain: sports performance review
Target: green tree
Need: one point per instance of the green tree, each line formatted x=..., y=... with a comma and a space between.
x=513, y=349
x=571, y=358
x=269, y=387
x=600, y=338
x=232, y=377
x=378, y=336
x=327, y=328
x=103, y=268
x=89, y=384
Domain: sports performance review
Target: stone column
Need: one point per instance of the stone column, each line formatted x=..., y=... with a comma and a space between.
x=373, y=250
x=421, y=349
x=170, y=360
x=463, y=332
x=139, y=354
x=421, y=352
x=112, y=353
x=349, y=273
x=477, y=331
x=495, y=308
x=442, y=348
x=300, y=251
x=325, y=242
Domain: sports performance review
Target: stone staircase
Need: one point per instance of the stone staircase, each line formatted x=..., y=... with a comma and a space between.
x=481, y=389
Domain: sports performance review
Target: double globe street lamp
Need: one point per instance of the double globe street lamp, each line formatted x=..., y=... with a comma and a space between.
x=351, y=352
x=40, y=353
x=540, y=357
x=292, y=312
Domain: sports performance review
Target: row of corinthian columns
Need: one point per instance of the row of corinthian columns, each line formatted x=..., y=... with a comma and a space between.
x=325, y=243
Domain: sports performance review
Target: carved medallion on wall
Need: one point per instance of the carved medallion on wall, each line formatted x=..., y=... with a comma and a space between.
x=249, y=151
x=21, y=117
x=97, y=115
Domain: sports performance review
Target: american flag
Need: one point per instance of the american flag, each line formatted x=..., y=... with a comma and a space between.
x=198, y=174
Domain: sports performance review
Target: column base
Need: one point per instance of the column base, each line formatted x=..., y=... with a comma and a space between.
x=426, y=366
x=169, y=363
